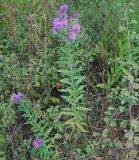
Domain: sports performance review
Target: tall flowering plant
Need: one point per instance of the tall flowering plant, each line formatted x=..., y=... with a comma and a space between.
x=67, y=26
x=38, y=126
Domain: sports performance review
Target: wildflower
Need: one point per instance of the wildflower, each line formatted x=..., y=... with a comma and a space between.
x=64, y=8
x=55, y=29
x=37, y=142
x=76, y=28
x=72, y=36
x=51, y=20
x=64, y=24
x=76, y=15
x=56, y=24
x=54, y=20
x=58, y=11
x=63, y=16
x=20, y=94
x=15, y=98
x=63, y=20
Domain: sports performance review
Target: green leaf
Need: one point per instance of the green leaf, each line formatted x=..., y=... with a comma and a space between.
x=80, y=97
x=66, y=81
x=125, y=71
x=129, y=135
x=37, y=84
x=63, y=50
x=108, y=113
x=65, y=72
x=107, y=119
x=121, y=29
x=83, y=108
x=130, y=78
x=105, y=133
x=96, y=134
x=134, y=63
x=129, y=144
x=133, y=21
x=58, y=136
x=122, y=109
x=80, y=127
x=102, y=86
x=68, y=99
x=112, y=123
x=80, y=79
x=136, y=140
x=135, y=85
x=124, y=123
x=54, y=100
x=135, y=125
x=68, y=113
x=111, y=108
x=70, y=121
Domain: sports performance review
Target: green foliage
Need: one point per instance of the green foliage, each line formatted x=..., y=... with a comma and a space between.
x=42, y=125
x=82, y=97
x=70, y=70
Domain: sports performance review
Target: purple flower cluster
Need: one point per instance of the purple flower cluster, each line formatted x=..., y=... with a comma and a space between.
x=74, y=31
x=37, y=142
x=16, y=98
x=62, y=21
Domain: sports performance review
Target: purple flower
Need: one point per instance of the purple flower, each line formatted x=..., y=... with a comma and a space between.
x=64, y=24
x=20, y=94
x=51, y=20
x=55, y=29
x=72, y=36
x=16, y=98
x=76, y=15
x=64, y=8
x=76, y=28
x=54, y=20
x=58, y=11
x=56, y=24
x=63, y=16
x=37, y=142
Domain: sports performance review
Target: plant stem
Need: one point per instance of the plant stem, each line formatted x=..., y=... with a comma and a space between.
x=130, y=88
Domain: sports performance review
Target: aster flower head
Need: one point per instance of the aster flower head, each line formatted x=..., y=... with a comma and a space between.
x=59, y=12
x=64, y=8
x=51, y=20
x=63, y=16
x=54, y=20
x=20, y=94
x=64, y=24
x=56, y=24
x=76, y=15
x=55, y=29
x=37, y=142
x=16, y=98
x=72, y=36
x=76, y=28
